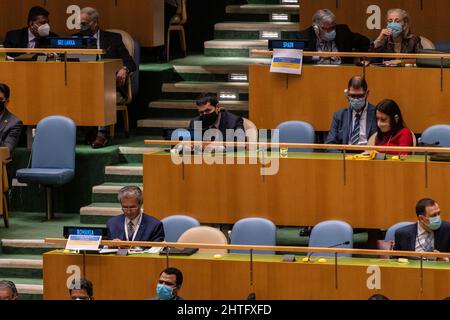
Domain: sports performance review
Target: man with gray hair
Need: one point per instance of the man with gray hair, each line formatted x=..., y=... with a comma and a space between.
x=113, y=44
x=8, y=290
x=325, y=35
x=133, y=224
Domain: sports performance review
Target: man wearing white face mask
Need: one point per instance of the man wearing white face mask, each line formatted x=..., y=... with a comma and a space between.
x=326, y=36
x=429, y=234
x=35, y=35
x=354, y=124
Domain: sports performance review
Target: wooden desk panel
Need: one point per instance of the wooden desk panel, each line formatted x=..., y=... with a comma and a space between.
x=306, y=191
x=143, y=19
x=135, y=277
x=319, y=92
x=428, y=18
x=38, y=90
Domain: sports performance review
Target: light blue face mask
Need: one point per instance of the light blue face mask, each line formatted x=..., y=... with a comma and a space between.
x=434, y=223
x=357, y=104
x=329, y=36
x=164, y=292
x=396, y=28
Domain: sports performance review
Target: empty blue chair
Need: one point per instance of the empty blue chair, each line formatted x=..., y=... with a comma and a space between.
x=390, y=234
x=254, y=231
x=443, y=46
x=175, y=226
x=438, y=135
x=331, y=234
x=53, y=156
x=296, y=132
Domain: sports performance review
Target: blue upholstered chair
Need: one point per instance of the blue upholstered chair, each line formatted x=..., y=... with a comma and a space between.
x=254, y=231
x=53, y=156
x=390, y=234
x=296, y=132
x=439, y=135
x=329, y=234
x=443, y=46
x=175, y=226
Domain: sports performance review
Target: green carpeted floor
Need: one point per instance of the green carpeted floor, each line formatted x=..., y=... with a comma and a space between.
x=31, y=225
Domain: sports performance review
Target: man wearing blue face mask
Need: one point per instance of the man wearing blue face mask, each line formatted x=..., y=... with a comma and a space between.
x=356, y=123
x=326, y=36
x=397, y=36
x=429, y=234
x=169, y=284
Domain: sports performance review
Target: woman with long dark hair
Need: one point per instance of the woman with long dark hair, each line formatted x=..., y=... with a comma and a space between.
x=392, y=131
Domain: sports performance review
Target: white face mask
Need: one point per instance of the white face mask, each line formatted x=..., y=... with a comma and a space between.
x=384, y=126
x=44, y=30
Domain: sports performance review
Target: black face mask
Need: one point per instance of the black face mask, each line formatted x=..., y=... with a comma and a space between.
x=2, y=106
x=209, y=119
x=86, y=30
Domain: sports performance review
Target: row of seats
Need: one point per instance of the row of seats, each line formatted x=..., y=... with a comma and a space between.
x=303, y=132
x=260, y=231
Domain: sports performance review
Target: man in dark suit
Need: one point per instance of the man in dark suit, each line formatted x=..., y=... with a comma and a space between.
x=10, y=126
x=35, y=35
x=355, y=124
x=212, y=116
x=133, y=224
x=115, y=49
x=326, y=36
x=429, y=234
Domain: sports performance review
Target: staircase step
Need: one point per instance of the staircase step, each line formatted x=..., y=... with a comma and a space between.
x=263, y=9
x=26, y=246
x=135, y=154
x=29, y=289
x=236, y=44
x=20, y=266
x=107, y=192
x=163, y=123
x=130, y=172
x=252, y=30
x=190, y=105
x=264, y=2
x=233, y=48
x=257, y=26
x=214, y=69
x=199, y=87
x=99, y=213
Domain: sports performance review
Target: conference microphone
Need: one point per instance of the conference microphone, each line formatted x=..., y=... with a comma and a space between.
x=308, y=257
x=251, y=296
x=425, y=144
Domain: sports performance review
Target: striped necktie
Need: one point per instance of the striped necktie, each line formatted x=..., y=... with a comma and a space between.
x=130, y=231
x=354, y=140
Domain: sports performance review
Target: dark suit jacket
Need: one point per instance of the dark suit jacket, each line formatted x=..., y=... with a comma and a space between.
x=151, y=229
x=227, y=121
x=342, y=125
x=19, y=39
x=10, y=129
x=115, y=49
x=346, y=40
x=405, y=238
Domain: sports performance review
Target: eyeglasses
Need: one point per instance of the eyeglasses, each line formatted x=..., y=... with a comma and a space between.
x=130, y=208
x=357, y=96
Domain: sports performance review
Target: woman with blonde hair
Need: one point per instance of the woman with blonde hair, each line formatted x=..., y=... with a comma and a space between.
x=397, y=36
